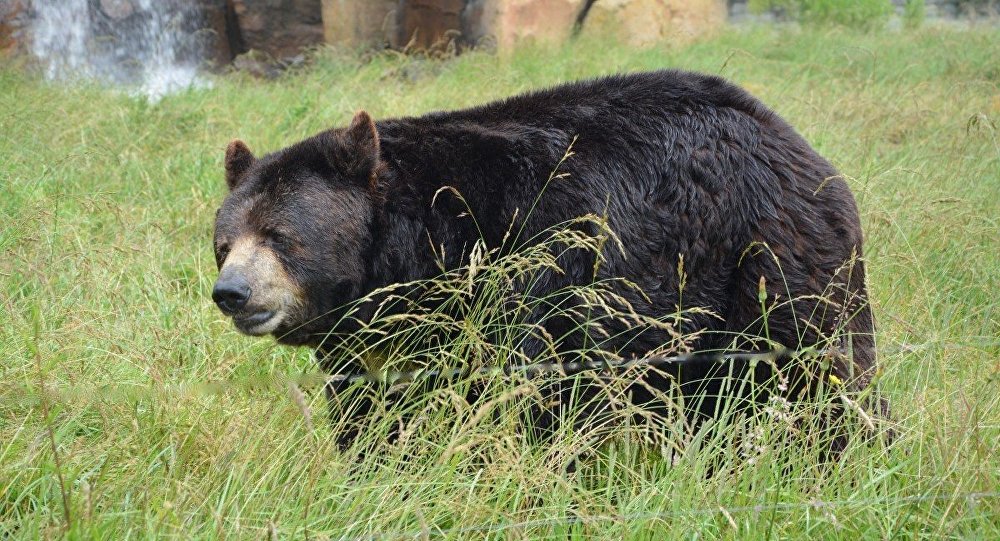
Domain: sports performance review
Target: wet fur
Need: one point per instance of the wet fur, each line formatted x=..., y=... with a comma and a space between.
x=682, y=164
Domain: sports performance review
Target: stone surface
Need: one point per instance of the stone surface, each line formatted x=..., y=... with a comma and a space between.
x=429, y=24
x=220, y=33
x=403, y=25
x=646, y=22
x=13, y=26
x=257, y=64
x=360, y=23
x=280, y=28
x=509, y=22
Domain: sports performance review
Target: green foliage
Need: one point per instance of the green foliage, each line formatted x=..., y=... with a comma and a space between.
x=862, y=14
x=913, y=13
x=167, y=424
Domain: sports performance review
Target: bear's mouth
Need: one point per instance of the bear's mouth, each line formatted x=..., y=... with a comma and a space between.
x=259, y=323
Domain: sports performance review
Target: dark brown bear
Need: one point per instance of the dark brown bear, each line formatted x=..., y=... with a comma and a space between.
x=682, y=165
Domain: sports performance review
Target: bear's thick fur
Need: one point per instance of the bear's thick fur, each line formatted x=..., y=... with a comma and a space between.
x=682, y=165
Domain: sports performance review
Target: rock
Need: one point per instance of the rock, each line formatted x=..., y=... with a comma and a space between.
x=279, y=28
x=429, y=24
x=432, y=24
x=509, y=22
x=403, y=25
x=646, y=22
x=13, y=25
x=219, y=32
x=360, y=23
x=257, y=64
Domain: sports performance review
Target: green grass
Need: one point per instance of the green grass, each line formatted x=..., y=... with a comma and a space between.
x=166, y=423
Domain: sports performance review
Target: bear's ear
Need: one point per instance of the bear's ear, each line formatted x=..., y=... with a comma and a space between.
x=356, y=152
x=238, y=161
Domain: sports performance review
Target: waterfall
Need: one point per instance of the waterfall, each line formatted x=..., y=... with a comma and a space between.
x=149, y=46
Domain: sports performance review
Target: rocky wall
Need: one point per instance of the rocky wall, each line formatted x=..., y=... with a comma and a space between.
x=281, y=29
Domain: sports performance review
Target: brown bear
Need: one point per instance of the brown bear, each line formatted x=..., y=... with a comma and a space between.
x=687, y=169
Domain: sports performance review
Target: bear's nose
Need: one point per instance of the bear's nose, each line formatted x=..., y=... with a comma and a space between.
x=231, y=293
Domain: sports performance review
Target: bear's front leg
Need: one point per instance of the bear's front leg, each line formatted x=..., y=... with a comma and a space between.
x=354, y=401
x=350, y=406
x=350, y=401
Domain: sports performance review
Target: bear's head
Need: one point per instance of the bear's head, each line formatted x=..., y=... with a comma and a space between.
x=292, y=235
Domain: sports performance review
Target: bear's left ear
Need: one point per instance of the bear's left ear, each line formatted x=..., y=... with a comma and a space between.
x=356, y=152
x=239, y=159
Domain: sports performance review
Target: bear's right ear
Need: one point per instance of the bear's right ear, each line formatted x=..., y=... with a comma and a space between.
x=238, y=161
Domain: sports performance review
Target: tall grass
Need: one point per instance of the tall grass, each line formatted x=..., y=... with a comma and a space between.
x=130, y=407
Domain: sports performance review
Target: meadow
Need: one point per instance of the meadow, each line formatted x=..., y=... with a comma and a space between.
x=130, y=408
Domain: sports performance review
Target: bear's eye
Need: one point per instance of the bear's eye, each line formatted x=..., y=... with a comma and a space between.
x=278, y=238
x=222, y=251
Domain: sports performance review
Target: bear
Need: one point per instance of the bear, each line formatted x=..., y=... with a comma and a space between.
x=712, y=196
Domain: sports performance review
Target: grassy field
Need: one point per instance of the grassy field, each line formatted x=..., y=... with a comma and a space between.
x=130, y=407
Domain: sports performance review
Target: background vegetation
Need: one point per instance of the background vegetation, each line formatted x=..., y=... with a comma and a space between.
x=129, y=406
x=864, y=14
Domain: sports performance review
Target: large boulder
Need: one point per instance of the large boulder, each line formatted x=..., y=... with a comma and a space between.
x=404, y=25
x=360, y=23
x=219, y=31
x=646, y=22
x=510, y=22
x=429, y=24
x=279, y=28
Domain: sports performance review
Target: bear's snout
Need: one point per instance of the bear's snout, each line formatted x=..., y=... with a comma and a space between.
x=231, y=292
x=254, y=289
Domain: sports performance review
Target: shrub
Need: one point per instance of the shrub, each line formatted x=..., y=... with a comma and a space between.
x=864, y=14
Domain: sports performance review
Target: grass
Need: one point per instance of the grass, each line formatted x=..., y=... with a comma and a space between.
x=130, y=407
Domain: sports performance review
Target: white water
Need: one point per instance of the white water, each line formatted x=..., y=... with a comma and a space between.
x=148, y=49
